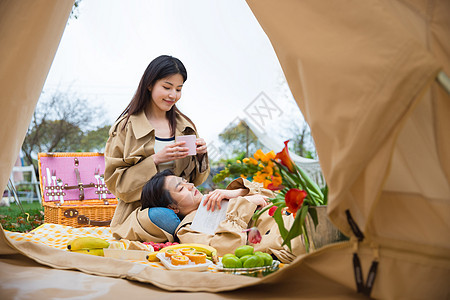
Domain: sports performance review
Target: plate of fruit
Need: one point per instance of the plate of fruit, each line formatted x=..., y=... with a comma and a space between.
x=246, y=261
x=184, y=259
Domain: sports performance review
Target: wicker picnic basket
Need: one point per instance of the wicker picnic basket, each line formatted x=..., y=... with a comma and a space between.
x=73, y=189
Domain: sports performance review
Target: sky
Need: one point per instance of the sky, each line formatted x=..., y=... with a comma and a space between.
x=233, y=71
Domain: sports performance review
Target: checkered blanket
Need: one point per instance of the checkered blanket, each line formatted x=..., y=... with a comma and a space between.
x=57, y=236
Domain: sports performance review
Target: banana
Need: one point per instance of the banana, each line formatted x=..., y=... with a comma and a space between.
x=152, y=257
x=87, y=242
x=95, y=251
x=210, y=251
x=199, y=247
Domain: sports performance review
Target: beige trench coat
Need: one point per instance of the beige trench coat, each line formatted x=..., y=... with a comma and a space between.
x=129, y=165
x=230, y=235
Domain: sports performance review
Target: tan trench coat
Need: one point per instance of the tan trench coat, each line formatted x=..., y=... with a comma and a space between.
x=128, y=166
x=229, y=235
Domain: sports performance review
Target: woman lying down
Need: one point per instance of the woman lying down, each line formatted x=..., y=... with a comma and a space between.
x=167, y=198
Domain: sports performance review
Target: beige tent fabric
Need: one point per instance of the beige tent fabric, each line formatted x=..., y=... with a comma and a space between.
x=37, y=280
x=363, y=75
x=18, y=271
x=30, y=32
x=29, y=35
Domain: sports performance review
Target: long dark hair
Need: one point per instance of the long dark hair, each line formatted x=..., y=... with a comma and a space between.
x=154, y=194
x=161, y=67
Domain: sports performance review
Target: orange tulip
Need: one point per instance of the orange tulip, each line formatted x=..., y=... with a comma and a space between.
x=268, y=170
x=284, y=158
x=271, y=155
x=253, y=161
x=277, y=180
x=258, y=177
x=259, y=155
x=266, y=183
x=294, y=200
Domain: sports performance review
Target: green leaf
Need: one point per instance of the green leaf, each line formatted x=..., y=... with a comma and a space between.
x=311, y=200
x=310, y=183
x=283, y=231
x=258, y=213
x=317, y=197
x=306, y=240
x=294, y=231
x=325, y=195
x=283, y=192
x=279, y=203
x=301, y=180
x=303, y=212
x=313, y=214
x=298, y=226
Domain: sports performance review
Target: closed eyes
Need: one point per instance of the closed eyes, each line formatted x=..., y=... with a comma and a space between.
x=181, y=184
x=167, y=88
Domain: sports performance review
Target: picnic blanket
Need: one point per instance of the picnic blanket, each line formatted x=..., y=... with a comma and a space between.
x=57, y=236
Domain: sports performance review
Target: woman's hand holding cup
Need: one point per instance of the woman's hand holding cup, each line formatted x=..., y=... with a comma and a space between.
x=201, y=146
x=171, y=152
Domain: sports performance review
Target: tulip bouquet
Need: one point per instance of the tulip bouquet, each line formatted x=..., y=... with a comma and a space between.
x=259, y=168
x=295, y=192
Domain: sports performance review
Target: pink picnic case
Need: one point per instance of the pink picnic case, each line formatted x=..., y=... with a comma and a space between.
x=73, y=189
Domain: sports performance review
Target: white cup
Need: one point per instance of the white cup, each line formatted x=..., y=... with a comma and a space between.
x=190, y=143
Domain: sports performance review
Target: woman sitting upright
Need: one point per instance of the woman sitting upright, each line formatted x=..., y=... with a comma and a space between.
x=142, y=143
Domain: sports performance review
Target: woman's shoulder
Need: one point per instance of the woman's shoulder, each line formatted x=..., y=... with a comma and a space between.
x=118, y=126
x=184, y=122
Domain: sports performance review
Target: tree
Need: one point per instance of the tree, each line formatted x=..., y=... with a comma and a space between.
x=61, y=124
x=75, y=9
x=239, y=138
x=302, y=141
x=95, y=140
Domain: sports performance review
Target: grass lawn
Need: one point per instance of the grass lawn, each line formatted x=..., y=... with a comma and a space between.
x=13, y=219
